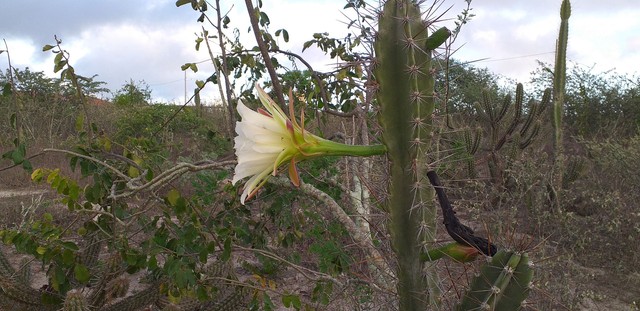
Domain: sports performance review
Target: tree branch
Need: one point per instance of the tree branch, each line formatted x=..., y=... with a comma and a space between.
x=375, y=257
x=265, y=53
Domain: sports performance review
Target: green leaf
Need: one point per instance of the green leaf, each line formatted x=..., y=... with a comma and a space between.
x=67, y=257
x=58, y=58
x=181, y=205
x=37, y=175
x=153, y=262
x=47, y=47
x=26, y=165
x=80, y=122
x=200, y=83
x=306, y=45
x=173, y=196
x=226, y=253
x=12, y=121
x=264, y=19
x=290, y=300
x=69, y=245
x=180, y=3
x=41, y=250
x=81, y=273
x=18, y=155
x=49, y=218
x=59, y=65
x=267, y=303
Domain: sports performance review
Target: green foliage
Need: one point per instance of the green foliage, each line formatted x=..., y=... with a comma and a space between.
x=465, y=86
x=19, y=155
x=133, y=94
x=159, y=124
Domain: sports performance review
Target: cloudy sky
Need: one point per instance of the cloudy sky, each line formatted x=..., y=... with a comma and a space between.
x=150, y=39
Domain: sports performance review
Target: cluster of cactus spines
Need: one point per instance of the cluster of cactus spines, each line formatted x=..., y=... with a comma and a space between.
x=503, y=284
x=91, y=251
x=110, y=270
x=405, y=92
x=75, y=301
x=6, y=269
x=118, y=287
x=173, y=307
x=139, y=300
x=228, y=297
x=24, y=272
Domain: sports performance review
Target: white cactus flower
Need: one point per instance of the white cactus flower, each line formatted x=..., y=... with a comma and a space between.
x=267, y=139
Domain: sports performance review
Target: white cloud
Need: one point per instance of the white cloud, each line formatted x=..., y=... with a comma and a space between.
x=149, y=39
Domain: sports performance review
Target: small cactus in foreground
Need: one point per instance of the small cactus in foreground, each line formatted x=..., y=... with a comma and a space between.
x=75, y=301
x=119, y=287
x=503, y=284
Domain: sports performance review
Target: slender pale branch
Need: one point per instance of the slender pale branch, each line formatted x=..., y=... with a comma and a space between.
x=365, y=242
x=90, y=158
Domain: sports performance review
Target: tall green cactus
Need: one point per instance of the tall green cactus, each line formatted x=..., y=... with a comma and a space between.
x=503, y=284
x=560, y=74
x=405, y=94
x=559, y=81
x=501, y=122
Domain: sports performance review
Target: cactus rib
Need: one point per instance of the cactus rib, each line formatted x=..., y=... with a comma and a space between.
x=503, y=284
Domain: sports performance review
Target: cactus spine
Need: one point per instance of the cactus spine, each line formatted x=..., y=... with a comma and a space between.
x=501, y=123
x=406, y=97
x=75, y=301
x=503, y=284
